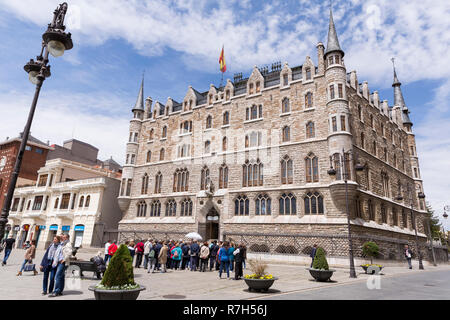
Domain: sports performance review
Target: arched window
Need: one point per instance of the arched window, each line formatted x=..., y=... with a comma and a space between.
x=250, y=88
x=253, y=139
x=186, y=208
x=142, y=209
x=286, y=170
x=310, y=131
x=81, y=203
x=208, y=122
x=150, y=136
x=161, y=154
x=158, y=182
x=313, y=203
x=144, y=187
x=385, y=183
x=226, y=118
x=371, y=120
x=207, y=147
x=186, y=127
x=227, y=95
x=241, y=206
x=171, y=208
x=362, y=140
x=286, y=134
x=308, y=73
x=285, y=106
x=252, y=174
x=254, y=112
x=149, y=156
x=181, y=180
x=184, y=151
x=359, y=112
x=155, y=209
x=309, y=100
x=263, y=205
x=224, y=144
x=395, y=161
x=204, y=178
x=288, y=204
x=336, y=161
x=164, y=132
x=88, y=202
x=258, y=86
x=374, y=148
x=312, y=168
x=223, y=177
x=332, y=96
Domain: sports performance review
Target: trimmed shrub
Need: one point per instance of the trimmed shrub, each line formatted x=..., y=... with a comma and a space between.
x=370, y=249
x=120, y=269
x=320, y=261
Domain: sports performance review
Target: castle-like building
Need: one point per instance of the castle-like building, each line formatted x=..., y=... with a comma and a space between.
x=270, y=155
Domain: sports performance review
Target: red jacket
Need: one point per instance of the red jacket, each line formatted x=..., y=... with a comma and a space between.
x=139, y=247
x=112, y=249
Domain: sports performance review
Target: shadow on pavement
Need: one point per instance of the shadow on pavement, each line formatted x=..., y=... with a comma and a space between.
x=270, y=291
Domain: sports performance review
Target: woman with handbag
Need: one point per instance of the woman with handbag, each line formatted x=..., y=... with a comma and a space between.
x=29, y=256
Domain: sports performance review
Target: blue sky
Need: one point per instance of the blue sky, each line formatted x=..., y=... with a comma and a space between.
x=177, y=43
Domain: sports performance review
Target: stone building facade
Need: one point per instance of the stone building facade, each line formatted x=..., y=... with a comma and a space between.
x=269, y=155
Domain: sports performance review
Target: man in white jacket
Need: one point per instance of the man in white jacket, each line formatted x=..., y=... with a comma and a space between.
x=61, y=261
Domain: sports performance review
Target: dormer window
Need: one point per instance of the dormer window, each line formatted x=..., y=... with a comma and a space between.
x=210, y=99
x=167, y=111
x=227, y=95
x=190, y=104
x=250, y=88
x=258, y=89
x=330, y=60
x=337, y=59
x=285, y=79
x=308, y=73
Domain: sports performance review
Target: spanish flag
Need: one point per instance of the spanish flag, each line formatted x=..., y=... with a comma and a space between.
x=223, y=65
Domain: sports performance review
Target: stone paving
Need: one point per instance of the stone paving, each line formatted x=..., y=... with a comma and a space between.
x=182, y=284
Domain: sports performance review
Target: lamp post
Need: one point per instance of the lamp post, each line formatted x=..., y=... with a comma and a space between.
x=54, y=41
x=413, y=221
x=332, y=172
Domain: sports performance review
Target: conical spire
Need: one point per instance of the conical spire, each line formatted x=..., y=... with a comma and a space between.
x=333, y=42
x=398, y=97
x=140, y=100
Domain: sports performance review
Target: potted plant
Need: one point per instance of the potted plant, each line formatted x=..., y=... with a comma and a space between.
x=370, y=249
x=259, y=280
x=320, y=269
x=118, y=281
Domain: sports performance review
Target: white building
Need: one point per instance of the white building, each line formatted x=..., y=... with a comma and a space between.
x=69, y=197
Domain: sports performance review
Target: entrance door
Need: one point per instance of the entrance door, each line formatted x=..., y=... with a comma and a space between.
x=212, y=225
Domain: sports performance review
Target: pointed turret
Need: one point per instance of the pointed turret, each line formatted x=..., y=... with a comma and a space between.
x=399, y=101
x=333, y=42
x=140, y=100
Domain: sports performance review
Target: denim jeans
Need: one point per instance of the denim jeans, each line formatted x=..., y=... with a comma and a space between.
x=224, y=265
x=145, y=260
x=193, y=263
x=7, y=253
x=231, y=265
x=59, y=278
x=49, y=271
x=212, y=260
x=409, y=263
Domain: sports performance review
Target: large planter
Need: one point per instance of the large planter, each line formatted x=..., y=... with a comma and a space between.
x=367, y=267
x=116, y=294
x=261, y=285
x=321, y=275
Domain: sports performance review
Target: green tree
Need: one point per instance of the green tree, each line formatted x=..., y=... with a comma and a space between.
x=435, y=225
x=370, y=249
x=320, y=261
x=120, y=269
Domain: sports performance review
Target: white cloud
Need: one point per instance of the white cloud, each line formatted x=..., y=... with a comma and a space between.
x=61, y=117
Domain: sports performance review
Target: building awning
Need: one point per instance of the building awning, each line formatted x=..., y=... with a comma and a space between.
x=65, y=228
x=53, y=227
x=79, y=228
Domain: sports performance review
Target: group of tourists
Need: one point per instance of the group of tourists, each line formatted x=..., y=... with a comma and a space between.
x=159, y=256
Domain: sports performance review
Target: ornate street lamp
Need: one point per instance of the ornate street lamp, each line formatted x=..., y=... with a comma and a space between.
x=55, y=42
x=332, y=172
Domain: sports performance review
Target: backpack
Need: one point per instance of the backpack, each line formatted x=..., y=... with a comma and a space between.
x=151, y=254
x=175, y=254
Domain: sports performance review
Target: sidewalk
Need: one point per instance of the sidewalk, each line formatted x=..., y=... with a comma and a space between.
x=182, y=284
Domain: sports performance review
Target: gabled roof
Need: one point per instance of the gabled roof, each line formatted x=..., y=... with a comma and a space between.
x=31, y=140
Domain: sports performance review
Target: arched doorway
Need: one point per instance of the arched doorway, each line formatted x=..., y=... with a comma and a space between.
x=212, y=225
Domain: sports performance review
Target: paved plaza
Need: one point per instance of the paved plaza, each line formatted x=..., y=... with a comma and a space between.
x=294, y=283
